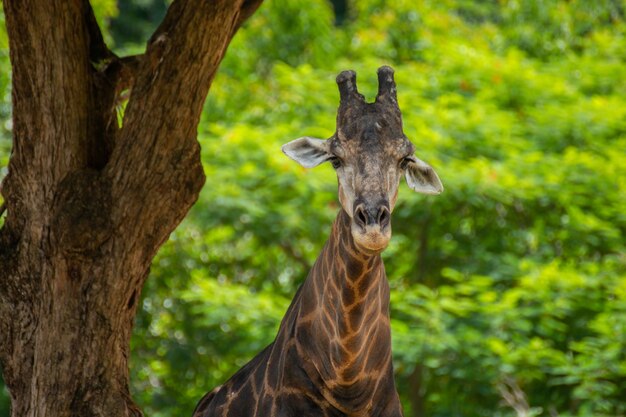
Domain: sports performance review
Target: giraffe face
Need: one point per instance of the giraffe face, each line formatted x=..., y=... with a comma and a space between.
x=370, y=154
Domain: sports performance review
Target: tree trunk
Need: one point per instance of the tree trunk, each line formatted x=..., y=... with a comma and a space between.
x=88, y=202
x=416, y=392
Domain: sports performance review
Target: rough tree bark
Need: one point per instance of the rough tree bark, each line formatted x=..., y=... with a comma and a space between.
x=88, y=203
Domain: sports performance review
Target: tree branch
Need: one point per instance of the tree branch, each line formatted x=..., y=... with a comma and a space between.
x=156, y=159
x=48, y=42
x=98, y=50
x=513, y=396
x=247, y=9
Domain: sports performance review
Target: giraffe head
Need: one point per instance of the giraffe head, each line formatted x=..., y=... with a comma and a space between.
x=370, y=154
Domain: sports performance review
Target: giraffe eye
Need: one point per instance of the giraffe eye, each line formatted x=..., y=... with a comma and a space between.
x=336, y=162
x=404, y=162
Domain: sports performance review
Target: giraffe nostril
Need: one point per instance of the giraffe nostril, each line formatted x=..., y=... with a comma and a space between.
x=360, y=217
x=383, y=217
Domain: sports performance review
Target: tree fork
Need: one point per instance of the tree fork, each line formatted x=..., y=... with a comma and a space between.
x=89, y=203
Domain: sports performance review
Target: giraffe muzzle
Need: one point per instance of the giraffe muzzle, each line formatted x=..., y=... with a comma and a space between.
x=371, y=226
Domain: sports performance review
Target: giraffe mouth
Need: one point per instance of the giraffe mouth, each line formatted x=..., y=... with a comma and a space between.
x=371, y=239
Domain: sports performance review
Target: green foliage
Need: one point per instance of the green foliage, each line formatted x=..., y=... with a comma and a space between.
x=245, y=321
x=136, y=21
x=105, y=10
x=287, y=32
x=511, y=281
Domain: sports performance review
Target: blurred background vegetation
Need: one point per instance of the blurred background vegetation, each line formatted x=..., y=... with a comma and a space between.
x=508, y=290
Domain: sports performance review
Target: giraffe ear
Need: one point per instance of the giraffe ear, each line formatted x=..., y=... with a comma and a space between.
x=422, y=178
x=308, y=152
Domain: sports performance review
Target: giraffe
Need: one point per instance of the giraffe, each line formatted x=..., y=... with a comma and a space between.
x=332, y=353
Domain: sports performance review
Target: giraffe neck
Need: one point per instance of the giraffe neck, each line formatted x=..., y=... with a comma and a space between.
x=342, y=327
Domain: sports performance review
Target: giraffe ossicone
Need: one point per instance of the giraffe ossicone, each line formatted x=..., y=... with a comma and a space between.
x=332, y=353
